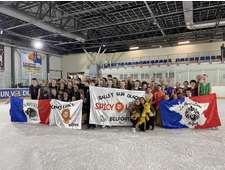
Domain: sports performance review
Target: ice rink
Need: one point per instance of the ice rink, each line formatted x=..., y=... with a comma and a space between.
x=39, y=147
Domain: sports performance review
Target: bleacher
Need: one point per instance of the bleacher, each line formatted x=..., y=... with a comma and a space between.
x=179, y=60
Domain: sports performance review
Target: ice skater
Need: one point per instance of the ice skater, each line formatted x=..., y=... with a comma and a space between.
x=143, y=122
x=135, y=114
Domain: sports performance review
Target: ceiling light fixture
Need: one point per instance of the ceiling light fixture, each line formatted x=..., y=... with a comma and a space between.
x=183, y=42
x=134, y=48
x=37, y=44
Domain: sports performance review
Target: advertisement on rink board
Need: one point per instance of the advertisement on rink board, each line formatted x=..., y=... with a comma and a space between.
x=109, y=106
x=8, y=92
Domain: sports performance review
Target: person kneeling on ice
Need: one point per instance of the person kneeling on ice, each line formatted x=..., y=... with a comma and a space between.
x=148, y=109
x=135, y=113
x=143, y=122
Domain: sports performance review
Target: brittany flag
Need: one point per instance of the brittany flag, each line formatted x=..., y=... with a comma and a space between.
x=194, y=112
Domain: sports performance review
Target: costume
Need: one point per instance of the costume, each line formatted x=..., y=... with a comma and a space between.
x=157, y=97
x=135, y=114
x=204, y=89
x=146, y=117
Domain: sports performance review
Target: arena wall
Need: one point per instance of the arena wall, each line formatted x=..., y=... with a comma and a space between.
x=55, y=67
x=182, y=72
x=81, y=62
x=216, y=71
x=220, y=91
x=5, y=75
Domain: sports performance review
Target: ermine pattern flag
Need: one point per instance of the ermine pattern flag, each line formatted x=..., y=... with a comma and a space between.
x=109, y=106
x=66, y=114
x=194, y=112
x=61, y=114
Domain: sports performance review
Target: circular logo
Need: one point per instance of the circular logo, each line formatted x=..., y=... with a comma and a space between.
x=66, y=116
x=31, y=56
x=119, y=107
x=192, y=115
x=32, y=113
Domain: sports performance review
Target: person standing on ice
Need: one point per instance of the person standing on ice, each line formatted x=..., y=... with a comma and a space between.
x=123, y=84
x=158, y=95
x=188, y=92
x=53, y=85
x=33, y=89
x=169, y=89
x=204, y=87
x=194, y=88
x=186, y=85
x=143, y=122
x=135, y=113
x=53, y=93
x=43, y=92
x=136, y=85
x=110, y=83
x=150, y=110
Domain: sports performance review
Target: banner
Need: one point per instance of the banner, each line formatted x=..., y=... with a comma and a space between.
x=53, y=112
x=66, y=114
x=32, y=64
x=31, y=61
x=19, y=92
x=30, y=111
x=194, y=112
x=109, y=106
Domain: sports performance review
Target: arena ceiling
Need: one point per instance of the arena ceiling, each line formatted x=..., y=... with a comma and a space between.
x=69, y=27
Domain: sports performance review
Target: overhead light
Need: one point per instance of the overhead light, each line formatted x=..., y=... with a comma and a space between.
x=1, y=32
x=183, y=42
x=37, y=44
x=103, y=45
x=134, y=48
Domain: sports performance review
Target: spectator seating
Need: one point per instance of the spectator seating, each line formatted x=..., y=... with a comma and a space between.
x=178, y=60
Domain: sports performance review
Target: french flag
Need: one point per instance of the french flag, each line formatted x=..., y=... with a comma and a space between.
x=193, y=112
x=31, y=111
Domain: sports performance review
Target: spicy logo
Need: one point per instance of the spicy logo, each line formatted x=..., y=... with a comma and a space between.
x=119, y=107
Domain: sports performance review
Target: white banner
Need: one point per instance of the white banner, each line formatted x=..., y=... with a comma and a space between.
x=109, y=106
x=66, y=114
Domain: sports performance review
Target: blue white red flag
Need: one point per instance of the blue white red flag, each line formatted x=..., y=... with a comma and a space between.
x=194, y=112
x=53, y=112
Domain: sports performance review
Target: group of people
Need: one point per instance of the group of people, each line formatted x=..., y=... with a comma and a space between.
x=144, y=111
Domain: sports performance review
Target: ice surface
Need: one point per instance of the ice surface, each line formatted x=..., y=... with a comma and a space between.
x=37, y=147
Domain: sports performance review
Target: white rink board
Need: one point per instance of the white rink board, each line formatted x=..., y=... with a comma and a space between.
x=39, y=147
